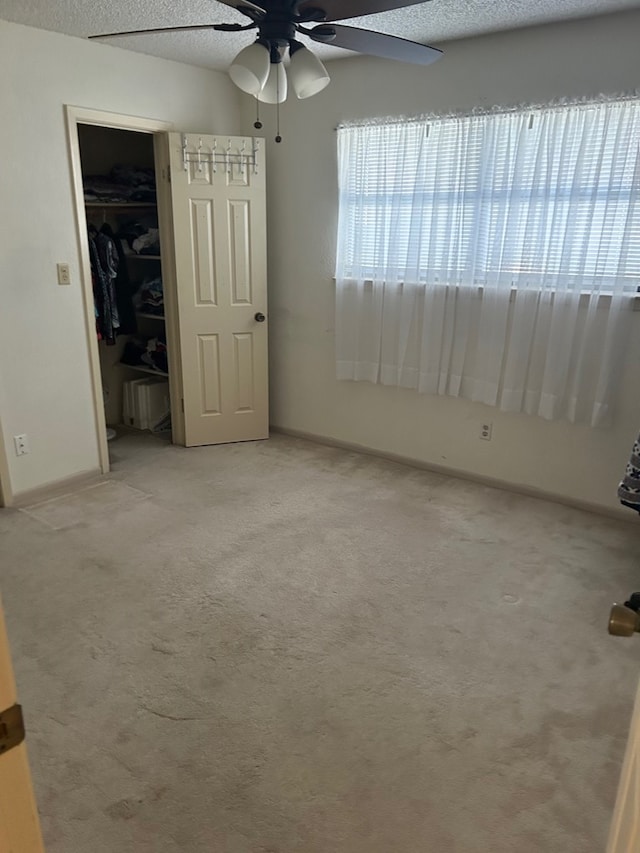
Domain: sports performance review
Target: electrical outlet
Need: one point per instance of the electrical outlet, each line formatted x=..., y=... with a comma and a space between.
x=22, y=444
x=485, y=431
x=64, y=276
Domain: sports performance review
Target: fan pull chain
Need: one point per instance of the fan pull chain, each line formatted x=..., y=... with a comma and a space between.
x=278, y=137
x=257, y=123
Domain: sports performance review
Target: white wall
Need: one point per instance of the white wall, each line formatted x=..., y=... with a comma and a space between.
x=44, y=369
x=533, y=65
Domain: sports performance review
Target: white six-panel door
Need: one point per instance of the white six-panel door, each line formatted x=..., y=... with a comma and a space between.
x=219, y=222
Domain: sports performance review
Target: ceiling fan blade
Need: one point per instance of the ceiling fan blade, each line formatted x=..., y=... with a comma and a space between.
x=339, y=10
x=225, y=27
x=375, y=44
x=252, y=10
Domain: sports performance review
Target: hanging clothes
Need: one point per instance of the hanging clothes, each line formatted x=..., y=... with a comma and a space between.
x=123, y=288
x=112, y=292
x=629, y=487
x=104, y=270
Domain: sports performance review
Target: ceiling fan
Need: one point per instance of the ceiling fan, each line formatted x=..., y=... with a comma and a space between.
x=258, y=69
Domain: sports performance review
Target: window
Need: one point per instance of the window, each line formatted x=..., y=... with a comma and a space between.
x=473, y=251
x=546, y=197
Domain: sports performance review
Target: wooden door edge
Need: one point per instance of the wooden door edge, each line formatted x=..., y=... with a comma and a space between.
x=161, y=144
x=624, y=832
x=19, y=822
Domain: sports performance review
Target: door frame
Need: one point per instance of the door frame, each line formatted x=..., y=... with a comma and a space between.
x=73, y=117
x=6, y=492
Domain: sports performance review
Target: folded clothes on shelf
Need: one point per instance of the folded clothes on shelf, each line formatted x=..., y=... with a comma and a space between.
x=122, y=185
x=147, y=352
x=149, y=298
x=140, y=236
x=147, y=243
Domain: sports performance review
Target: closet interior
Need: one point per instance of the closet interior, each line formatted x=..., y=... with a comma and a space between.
x=120, y=197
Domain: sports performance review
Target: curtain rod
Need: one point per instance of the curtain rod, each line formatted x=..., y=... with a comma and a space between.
x=559, y=103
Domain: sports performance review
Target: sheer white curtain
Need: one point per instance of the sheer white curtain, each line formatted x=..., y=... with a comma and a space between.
x=493, y=257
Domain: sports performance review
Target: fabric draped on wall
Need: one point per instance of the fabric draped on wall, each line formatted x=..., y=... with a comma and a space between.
x=492, y=257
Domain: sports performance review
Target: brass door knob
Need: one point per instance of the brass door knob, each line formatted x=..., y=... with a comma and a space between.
x=623, y=622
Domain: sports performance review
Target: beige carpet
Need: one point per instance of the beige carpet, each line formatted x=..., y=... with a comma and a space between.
x=283, y=648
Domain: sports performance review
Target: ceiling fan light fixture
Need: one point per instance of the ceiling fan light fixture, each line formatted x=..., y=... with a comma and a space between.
x=308, y=75
x=250, y=69
x=274, y=90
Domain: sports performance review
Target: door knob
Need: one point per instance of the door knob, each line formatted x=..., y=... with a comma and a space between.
x=623, y=621
x=259, y=317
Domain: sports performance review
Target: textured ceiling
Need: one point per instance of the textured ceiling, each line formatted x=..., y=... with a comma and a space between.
x=430, y=22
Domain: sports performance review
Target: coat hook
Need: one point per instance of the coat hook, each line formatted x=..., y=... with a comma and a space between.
x=200, y=154
x=184, y=152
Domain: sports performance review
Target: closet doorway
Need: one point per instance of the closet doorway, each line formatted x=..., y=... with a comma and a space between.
x=85, y=122
x=172, y=237
x=121, y=207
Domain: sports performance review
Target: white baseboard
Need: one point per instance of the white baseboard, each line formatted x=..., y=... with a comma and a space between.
x=67, y=485
x=56, y=489
x=619, y=514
